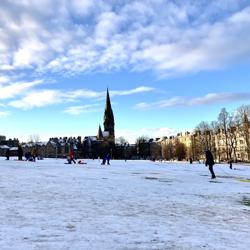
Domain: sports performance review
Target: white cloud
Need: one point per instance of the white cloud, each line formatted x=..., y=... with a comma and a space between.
x=37, y=99
x=46, y=97
x=81, y=7
x=4, y=113
x=31, y=52
x=11, y=90
x=141, y=89
x=84, y=93
x=90, y=94
x=209, y=99
x=77, y=110
x=4, y=79
x=168, y=37
x=220, y=97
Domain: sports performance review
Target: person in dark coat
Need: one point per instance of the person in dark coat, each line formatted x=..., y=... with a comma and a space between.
x=20, y=153
x=103, y=160
x=27, y=156
x=108, y=159
x=210, y=162
x=7, y=154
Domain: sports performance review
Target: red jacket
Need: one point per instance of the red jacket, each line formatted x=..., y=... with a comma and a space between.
x=71, y=153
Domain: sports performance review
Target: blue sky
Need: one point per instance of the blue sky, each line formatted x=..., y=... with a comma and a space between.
x=168, y=65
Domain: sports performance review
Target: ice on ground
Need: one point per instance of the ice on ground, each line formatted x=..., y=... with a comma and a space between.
x=127, y=205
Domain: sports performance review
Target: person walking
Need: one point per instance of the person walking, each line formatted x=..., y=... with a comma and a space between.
x=20, y=153
x=103, y=160
x=210, y=163
x=33, y=154
x=108, y=159
x=72, y=156
x=7, y=154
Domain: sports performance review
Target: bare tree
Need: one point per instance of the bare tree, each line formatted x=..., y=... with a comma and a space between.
x=243, y=114
x=180, y=150
x=121, y=140
x=143, y=147
x=215, y=130
x=232, y=137
x=204, y=131
x=35, y=138
x=164, y=148
x=170, y=150
x=223, y=121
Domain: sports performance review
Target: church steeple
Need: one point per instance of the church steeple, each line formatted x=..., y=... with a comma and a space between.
x=99, y=135
x=109, y=123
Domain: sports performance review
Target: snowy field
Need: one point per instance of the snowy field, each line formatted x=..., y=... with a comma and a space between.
x=127, y=205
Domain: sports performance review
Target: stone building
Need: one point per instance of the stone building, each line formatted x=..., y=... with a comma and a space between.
x=10, y=144
x=234, y=144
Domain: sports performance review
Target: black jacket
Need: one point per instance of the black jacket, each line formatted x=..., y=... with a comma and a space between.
x=209, y=158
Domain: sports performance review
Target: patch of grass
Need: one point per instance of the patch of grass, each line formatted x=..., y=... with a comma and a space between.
x=244, y=180
x=245, y=201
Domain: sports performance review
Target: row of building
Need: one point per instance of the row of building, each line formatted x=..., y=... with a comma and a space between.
x=183, y=146
x=231, y=145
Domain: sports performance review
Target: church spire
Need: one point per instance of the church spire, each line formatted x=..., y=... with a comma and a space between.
x=109, y=124
x=108, y=103
x=99, y=135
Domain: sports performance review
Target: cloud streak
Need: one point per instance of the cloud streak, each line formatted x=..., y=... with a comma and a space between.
x=4, y=113
x=13, y=89
x=77, y=110
x=209, y=99
x=46, y=97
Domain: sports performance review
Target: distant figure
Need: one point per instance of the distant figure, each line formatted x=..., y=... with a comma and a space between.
x=20, y=153
x=28, y=156
x=191, y=160
x=72, y=156
x=105, y=159
x=108, y=159
x=68, y=160
x=230, y=164
x=210, y=163
x=7, y=154
x=33, y=154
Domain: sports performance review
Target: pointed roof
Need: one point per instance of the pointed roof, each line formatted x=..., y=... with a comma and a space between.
x=99, y=135
x=108, y=114
x=108, y=103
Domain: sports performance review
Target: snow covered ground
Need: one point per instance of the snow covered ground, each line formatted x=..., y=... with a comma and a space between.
x=127, y=205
